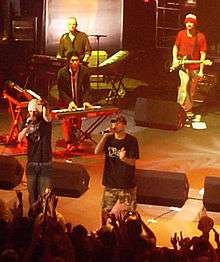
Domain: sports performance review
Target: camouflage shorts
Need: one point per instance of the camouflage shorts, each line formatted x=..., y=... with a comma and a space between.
x=125, y=196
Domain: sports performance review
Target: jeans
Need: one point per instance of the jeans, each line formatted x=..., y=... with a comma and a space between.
x=186, y=90
x=38, y=179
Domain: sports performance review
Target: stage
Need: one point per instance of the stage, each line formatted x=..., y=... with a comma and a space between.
x=194, y=152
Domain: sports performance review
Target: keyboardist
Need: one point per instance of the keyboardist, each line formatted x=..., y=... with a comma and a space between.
x=74, y=91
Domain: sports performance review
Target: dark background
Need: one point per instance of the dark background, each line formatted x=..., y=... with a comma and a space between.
x=129, y=24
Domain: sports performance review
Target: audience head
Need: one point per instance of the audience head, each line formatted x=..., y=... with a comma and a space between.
x=80, y=231
x=205, y=224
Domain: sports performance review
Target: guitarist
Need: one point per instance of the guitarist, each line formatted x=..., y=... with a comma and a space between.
x=190, y=44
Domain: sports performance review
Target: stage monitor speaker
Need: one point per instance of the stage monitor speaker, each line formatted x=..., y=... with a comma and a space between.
x=69, y=179
x=159, y=114
x=161, y=188
x=11, y=172
x=211, y=197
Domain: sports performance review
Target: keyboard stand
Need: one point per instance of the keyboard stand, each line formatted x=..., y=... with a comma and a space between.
x=86, y=134
x=118, y=88
x=15, y=109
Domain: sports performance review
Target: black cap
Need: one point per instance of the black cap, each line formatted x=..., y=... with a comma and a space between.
x=121, y=119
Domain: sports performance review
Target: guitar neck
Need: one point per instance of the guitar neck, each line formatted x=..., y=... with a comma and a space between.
x=191, y=62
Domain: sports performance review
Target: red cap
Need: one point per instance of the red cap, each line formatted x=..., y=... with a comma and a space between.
x=191, y=18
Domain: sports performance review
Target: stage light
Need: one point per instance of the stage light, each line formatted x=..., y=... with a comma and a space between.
x=190, y=3
x=148, y=1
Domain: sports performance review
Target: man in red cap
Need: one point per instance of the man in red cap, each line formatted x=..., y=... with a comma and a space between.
x=190, y=44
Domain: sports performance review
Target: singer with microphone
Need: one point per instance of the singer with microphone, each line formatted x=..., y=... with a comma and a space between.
x=74, y=91
x=37, y=129
x=121, y=151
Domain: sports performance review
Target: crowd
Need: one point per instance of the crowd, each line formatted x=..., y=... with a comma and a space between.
x=44, y=235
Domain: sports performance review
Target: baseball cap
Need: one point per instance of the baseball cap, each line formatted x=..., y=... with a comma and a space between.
x=121, y=119
x=191, y=18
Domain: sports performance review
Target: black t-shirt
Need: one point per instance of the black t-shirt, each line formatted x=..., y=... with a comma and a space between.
x=39, y=142
x=118, y=174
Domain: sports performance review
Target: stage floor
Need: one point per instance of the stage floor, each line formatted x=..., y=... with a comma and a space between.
x=195, y=152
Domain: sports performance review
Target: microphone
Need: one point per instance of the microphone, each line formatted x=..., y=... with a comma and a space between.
x=29, y=121
x=14, y=86
x=105, y=132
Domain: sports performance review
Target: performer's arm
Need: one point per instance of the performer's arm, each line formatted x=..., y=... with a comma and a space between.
x=100, y=146
x=175, y=57
x=88, y=51
x=23, y=133
x=60, y=48
x=87, y=95
x=62, y=86
x=46, y=114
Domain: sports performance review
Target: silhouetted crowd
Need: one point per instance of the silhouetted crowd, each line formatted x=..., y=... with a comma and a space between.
x=44, y=235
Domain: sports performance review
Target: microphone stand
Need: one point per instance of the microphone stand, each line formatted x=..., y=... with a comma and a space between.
x=97, y=36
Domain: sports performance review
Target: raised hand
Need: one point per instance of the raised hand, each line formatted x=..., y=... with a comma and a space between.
x=174, y=241
x=184, y=242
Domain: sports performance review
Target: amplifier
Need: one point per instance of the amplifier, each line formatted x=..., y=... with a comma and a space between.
x=24, y=29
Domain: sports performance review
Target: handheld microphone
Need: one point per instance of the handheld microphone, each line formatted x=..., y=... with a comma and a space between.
x=105, y=132
x=28, y=122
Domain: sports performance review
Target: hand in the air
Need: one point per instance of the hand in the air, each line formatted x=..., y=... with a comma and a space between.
x=72, y=106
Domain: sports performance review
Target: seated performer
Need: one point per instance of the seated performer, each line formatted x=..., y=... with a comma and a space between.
x=74, y=40
x=74, y=91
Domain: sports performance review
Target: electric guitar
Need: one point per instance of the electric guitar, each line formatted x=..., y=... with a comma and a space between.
x=184, y=61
